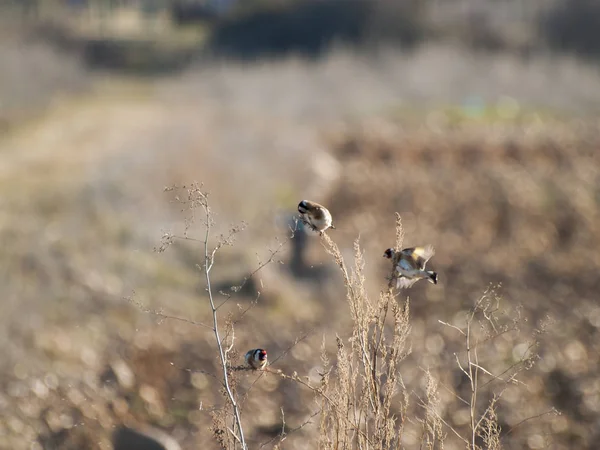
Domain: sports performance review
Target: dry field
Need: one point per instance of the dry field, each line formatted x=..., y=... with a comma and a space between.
x=493, y=160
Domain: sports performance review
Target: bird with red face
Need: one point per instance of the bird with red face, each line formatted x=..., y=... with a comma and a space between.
x=256, y=358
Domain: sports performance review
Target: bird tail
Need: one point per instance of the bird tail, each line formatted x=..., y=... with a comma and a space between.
x=433, y=277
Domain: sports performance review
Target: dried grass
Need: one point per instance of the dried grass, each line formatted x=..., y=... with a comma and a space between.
x=364, y=401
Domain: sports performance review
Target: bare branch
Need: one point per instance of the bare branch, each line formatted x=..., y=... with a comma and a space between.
x=450, y=427
x=162, y=315
x=290, y=431
x=452, y=326
x=261, y=265
x=196, y=198
x=208, y=263
x=285, y=352
x=550, y=411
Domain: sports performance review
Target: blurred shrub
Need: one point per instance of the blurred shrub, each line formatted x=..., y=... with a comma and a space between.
x=311, y=27
x=32, y=73
x=185, y=12
x=574, y=25
x=138, y=56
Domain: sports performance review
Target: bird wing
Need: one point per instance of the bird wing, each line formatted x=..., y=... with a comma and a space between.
x=306, y=220
x=405, y=283
x=422, y=254
x=318, y=213
x=308, y=224
x=405, y=265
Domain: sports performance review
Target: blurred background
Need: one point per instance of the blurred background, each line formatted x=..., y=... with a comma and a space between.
x=476, y=120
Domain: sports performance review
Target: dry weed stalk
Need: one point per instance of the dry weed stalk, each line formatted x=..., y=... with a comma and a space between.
x=432, y=422
x=357, y=405
x=196, y=206
x=483, y=326
x=194, y=202
x=357, y=411
x=196, y=198
x=356, y=393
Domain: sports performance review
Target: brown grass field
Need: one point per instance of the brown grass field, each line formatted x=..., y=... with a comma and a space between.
x=491, y=159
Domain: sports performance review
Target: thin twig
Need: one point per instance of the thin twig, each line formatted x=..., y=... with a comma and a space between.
x=320, y=392
x=451, y=392
x=499, y=378
x=235, y=436
x=452, y=326
x=271, y=258
x=281, y=355
x=208, y=264
x=472, y=375
x=450, y=427
x=551, y=411
x=164, y=316
x=293, y=430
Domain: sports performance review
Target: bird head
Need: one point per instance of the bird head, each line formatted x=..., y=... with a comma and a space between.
x=262, y=354
x=303, y=207
x=389, y=253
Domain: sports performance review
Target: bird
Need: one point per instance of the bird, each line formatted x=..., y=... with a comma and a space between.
x=256, y=358
x=315, y=216
x=409, y=265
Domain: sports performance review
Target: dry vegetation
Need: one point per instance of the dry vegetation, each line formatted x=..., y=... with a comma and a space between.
x=505, y=191
x=510, y=205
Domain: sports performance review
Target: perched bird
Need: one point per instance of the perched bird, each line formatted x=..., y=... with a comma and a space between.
x=409, y=265
x=315, y=216
x=256, y=358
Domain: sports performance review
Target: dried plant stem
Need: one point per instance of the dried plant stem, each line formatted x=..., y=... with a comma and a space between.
x=481, y=327
x=209, y=259
x=286, y=432
x=318, y=391
x=358, y=410
x=473, y=378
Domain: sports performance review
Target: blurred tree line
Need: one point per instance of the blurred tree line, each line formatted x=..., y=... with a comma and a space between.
x=252, y=28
